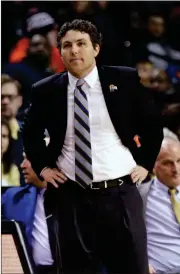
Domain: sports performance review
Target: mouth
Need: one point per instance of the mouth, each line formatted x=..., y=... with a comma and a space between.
x=175, y=176
x=75, y=59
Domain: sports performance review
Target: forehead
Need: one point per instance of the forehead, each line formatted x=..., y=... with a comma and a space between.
x=156, y=19
x=170, y=153
x=9, y=88
x=73, y=35
x=145, y=65
x=37, y=39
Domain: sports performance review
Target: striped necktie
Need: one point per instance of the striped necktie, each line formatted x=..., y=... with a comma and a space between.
x=175, y=203
x=83, y=154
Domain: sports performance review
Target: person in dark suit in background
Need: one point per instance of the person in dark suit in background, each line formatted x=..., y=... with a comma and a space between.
x=105, y=134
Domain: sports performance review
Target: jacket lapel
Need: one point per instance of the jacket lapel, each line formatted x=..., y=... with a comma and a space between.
x=115, y=101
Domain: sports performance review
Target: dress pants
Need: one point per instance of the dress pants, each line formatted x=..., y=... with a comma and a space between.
x=101, y=229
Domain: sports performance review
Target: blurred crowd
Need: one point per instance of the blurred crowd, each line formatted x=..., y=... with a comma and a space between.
x=143, y=35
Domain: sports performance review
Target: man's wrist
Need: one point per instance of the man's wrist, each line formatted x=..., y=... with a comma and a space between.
x=42, y=179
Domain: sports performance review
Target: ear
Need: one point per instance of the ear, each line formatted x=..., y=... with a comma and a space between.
x=96, y=50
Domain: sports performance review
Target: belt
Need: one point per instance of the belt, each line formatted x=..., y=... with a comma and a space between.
x=45, y=269
x=111, y=183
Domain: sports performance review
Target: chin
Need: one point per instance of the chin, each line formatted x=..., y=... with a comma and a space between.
x=176, y=182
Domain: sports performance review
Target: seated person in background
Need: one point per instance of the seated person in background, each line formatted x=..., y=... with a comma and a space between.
x=11, y=101
x=162, y=89
x=26, y=205
x=145, y=70
x=10, y=172
x=171, y=114
x=161, y=198
x=42, y=23
x=32, y=68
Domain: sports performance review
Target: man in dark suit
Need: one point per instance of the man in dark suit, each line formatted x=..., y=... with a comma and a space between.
x=105, y=134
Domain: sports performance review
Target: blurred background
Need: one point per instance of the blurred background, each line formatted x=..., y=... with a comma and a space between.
x=144, y=35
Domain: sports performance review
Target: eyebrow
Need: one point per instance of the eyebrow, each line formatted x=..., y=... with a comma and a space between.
x=79, y=40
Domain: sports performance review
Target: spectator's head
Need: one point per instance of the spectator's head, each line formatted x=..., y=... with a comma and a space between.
x=6, y=146
x=156, y=25
x=11, y=98
x=80, y=6
x=42, y=23
x=167, y=166
x=160, y=81
x=171, y=114
x=39, y=50
x=79, y=43
x=145, y=69
x=29, y=174
x=103, y=4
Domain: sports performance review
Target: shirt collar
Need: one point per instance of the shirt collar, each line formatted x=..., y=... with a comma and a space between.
x=90, y=79
x=162, y=186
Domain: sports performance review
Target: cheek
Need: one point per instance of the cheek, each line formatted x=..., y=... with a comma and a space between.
x=166, y=171
x=5, y=143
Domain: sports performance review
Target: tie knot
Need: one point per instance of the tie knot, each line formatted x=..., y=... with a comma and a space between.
x=80, y=82
x=172, y=191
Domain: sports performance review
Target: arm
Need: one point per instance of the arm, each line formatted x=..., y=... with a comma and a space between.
x=149, y=125
x=33, y=132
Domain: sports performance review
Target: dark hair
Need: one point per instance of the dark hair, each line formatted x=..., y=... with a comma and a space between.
x=82, y=26
x=8, y=155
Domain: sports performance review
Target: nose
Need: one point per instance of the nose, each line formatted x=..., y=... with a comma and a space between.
x=23, y=164
x=176, y=168
x=40, y=48
x=74, y=49
x=5, y=101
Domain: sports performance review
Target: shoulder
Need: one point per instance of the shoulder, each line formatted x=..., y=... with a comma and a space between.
x=11, y=67
x=55, y=78
x=13, y=191
x=17, y=202
x=19, y=192
x=145, y=187
x=47, y=85
x=120, y=70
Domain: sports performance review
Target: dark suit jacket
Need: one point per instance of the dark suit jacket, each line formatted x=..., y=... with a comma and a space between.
x=130, y=107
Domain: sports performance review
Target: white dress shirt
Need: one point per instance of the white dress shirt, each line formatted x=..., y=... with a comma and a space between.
x=110, y=158
x=163, y=230
x=40, y=238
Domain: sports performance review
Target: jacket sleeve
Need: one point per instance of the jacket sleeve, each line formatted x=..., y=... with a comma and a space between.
x=33, y=132
x=148, y=120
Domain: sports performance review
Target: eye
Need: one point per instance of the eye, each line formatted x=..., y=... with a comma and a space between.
x=167, y=163
x=81, y=44
x=66, y=46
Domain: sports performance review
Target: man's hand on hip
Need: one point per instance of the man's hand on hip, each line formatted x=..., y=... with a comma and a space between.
x=53, y=176
x=138, y=174
x=151, y=269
